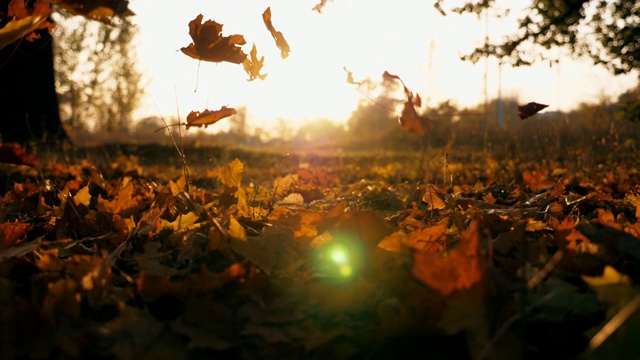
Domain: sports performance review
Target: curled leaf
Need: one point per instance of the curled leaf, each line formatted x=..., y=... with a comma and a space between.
x=208, y=117
x=281, y=43
x=410, y=121
x=209, y=44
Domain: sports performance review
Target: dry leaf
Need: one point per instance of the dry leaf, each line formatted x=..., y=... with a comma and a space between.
x=253, y=65
x=410, y=121
x=350, y=77
x=17, y=155
x=460, y=269
x=277, y=35
x=209, y=44
x=208, y=117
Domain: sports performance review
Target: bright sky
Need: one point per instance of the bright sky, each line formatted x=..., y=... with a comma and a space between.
x=408, y=38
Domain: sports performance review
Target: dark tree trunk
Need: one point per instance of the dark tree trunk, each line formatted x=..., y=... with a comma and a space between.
x=28, y=102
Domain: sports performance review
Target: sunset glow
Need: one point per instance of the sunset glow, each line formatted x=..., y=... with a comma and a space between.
x=408, y=38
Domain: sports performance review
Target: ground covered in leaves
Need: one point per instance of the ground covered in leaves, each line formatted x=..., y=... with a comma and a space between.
x=122, y=252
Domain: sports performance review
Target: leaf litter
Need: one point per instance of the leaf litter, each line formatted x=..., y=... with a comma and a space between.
x=127, y=260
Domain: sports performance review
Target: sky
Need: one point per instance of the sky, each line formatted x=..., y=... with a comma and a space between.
x=408, y=38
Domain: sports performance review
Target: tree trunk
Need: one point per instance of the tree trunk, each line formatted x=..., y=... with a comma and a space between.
x=28, y=102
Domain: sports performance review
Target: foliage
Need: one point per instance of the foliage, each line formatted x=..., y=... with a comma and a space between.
x=298, y=257
x=605, y=31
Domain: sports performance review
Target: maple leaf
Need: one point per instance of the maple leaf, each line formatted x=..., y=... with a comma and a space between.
x=36, y=15
x=17, y=155
x=253, y=66
x=409, y=119
x=525, y=111
x=461, y=269
x=101, y=10
x=350, y=77
x=209, y=44
x=208, y=117
x=281, y=43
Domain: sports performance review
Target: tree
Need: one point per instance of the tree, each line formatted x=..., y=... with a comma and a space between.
x=96, y=74
x=29, y=107
x=28, y=102
x=605, y=31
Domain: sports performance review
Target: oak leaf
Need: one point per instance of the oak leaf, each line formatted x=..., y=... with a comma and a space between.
x=209, y=44
x=459, y=270
x=208, y=117
x=253, y=65
x=281, y=43
x=530, y=109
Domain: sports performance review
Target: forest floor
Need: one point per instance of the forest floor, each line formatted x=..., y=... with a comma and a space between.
x=123, y=252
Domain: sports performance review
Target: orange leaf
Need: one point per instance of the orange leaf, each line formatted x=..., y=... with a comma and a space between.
x=461, y=269
x=17, y=9
x=281, y=43
x=208, y=117
x=10, y=233
x=209, y=45
x=253, y=66
x=17, y=155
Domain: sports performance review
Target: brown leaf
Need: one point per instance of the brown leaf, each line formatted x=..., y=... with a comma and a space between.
x=17, y=155
x=461, y=269
x=410, y=121
x=277, y=35
x=209, y=44
x=253, y=65
x=525, y=111
x=208, y=117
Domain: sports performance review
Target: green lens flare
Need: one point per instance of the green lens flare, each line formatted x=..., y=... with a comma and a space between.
x=339, y=256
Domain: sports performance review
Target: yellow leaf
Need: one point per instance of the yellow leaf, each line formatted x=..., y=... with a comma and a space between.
x=82, y=197
x=394, y=242
x=236, y=231
x=231, y=175
x=610, y=276
x=182, y=222
x=281, y=43
x=253, y=65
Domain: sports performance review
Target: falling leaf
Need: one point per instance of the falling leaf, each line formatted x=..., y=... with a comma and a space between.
x=208, y=117
x=409, y=119
x=277, y=35
x=525, y=111
x=17, y=155
x=253, y=65
x=350, y=77
x=209, y=44
x=460, y=269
